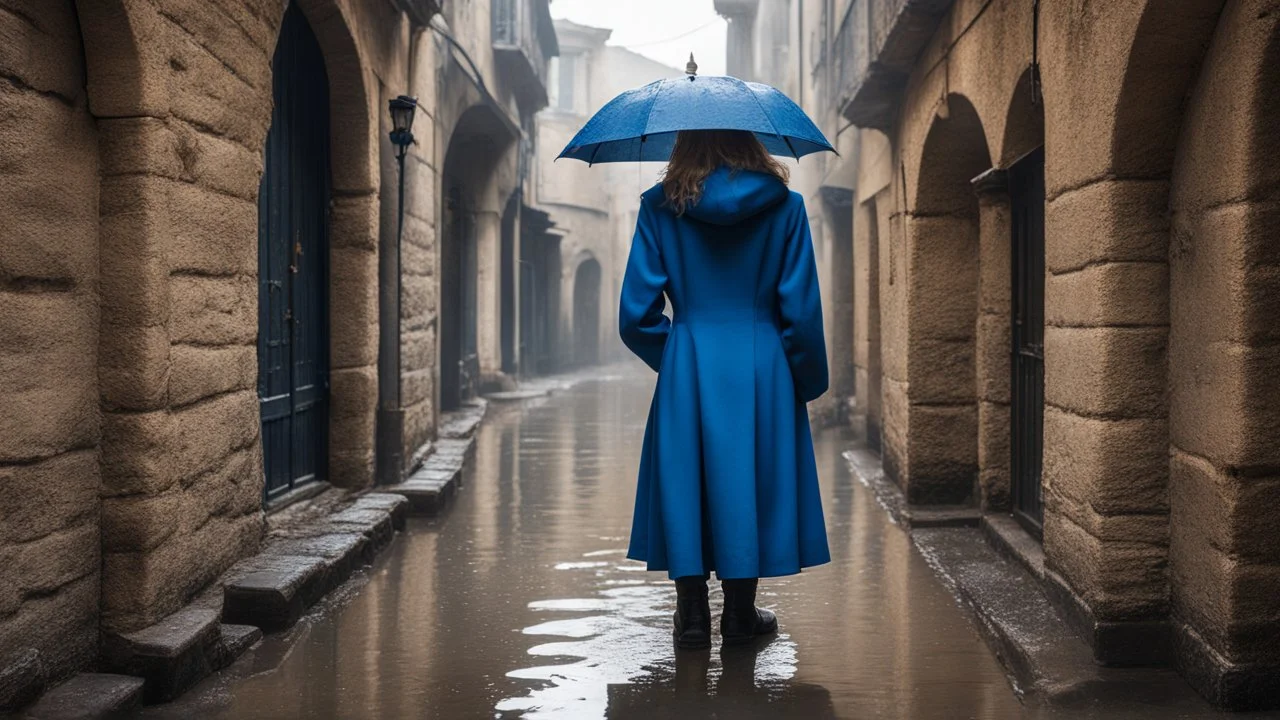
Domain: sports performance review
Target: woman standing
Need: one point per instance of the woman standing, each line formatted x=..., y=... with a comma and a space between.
x=727, y=477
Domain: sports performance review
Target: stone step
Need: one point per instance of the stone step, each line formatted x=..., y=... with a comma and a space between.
x=233, y=642
x=171, y=655
x=89, y=696
x=430, y=489
x=275, y=594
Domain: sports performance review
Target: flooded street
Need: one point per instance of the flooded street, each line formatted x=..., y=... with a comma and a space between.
x=519, y=603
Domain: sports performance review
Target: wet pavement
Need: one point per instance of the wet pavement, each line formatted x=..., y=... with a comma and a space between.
x=519, y=603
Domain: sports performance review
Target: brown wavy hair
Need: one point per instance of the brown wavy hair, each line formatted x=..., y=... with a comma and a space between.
x=698, y=153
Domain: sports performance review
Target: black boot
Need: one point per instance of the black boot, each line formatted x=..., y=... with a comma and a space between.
x=742, y=620
x=693, y=613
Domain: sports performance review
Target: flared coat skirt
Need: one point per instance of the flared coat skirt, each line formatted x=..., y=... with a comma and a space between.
x=727, y=480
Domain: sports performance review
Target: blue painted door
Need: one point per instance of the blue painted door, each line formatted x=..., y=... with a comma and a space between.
x=293, y=250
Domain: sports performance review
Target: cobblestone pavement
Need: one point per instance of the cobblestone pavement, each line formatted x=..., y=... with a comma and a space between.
x=518, y=602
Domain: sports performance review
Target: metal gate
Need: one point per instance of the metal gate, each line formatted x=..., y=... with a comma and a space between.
x=1026, y=194
x=293, y=248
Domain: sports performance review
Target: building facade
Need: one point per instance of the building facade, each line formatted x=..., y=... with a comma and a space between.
x=769, y=41
x=1062, y=302
x=204, y=307
x=593, y=208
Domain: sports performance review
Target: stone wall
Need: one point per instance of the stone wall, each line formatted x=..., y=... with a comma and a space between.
x=1159, y=398
x=49, y=421
x=178, y=104
x=419, y=323
x=1223, y=357
x=181, y=464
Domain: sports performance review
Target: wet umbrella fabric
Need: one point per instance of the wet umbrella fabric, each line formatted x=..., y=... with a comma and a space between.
x=641, y=124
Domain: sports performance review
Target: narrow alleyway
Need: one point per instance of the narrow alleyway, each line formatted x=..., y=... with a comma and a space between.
x=519, y=603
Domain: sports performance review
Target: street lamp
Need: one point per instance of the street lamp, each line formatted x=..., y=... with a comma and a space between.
x=402, y=109
x=391, y=291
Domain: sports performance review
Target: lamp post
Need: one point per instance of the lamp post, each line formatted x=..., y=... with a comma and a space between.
x=402, y=109
x=390, y=395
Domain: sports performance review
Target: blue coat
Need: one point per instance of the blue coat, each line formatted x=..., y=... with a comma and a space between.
x=727, y=475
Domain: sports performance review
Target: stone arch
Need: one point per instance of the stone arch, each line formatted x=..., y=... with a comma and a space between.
x=352, y=120
x=1024, y=119
x=353, y=242
x=931, y=414
x=1168, y=47
x=470, y=238
x=1224, y=364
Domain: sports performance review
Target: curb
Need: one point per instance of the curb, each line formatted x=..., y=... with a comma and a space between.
x=297, y=566
x=995, y=571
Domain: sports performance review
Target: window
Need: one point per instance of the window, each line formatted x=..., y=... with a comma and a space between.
x=564, y=81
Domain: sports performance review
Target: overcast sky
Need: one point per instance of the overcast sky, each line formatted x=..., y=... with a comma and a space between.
x=665, y=30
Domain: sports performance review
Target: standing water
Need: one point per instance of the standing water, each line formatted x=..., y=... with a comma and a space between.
x=519, y=602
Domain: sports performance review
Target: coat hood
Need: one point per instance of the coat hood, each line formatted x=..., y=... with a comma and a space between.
x=731, y=196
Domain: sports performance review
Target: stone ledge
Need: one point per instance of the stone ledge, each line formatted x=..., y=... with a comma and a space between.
x=1227, y=685
x=1114, y=642
x=171, y=655
x=867, y=468
x=1011, y=541
x=462, y=423
x=273, y=598
x=89, y=696
x=233, y=642
x=1033, y=636
x=507, y=396
x=430, y=489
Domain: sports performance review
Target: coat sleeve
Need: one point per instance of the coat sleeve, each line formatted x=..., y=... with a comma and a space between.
x=641, y=322
x=800, y=310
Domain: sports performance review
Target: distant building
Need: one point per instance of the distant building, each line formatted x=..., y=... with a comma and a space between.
x=592, y=208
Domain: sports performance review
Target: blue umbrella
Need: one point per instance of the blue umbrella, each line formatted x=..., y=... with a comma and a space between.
x=641, y=124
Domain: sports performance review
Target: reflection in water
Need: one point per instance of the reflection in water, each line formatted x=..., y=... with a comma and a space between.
x=519, y=603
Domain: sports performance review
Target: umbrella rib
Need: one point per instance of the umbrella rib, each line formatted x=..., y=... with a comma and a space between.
x=649, y=116
x=766, y=117
x=594, y=152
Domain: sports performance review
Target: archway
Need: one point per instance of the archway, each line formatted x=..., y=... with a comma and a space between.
x=933, y=452
x=476, y=147
x=586, y=312
x=293, y=250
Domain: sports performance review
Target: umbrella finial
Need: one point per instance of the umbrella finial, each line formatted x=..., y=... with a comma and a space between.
x=691, y=69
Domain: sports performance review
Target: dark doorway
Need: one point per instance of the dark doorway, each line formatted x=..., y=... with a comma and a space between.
x=586, y=313
x=293, y=251
x=539, y=291
x=1026, y=195
x=459, y=362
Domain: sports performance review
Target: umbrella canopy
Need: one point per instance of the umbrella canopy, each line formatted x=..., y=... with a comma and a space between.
x=641, y=124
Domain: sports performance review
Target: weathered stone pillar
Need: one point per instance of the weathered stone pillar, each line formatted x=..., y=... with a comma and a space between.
x=993, y=340
x=1105, y=418
x=488, y=239
x=49, y=309
x=1224, y=370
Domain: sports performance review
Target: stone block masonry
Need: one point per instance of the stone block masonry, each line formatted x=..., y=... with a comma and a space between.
x=49, y=425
